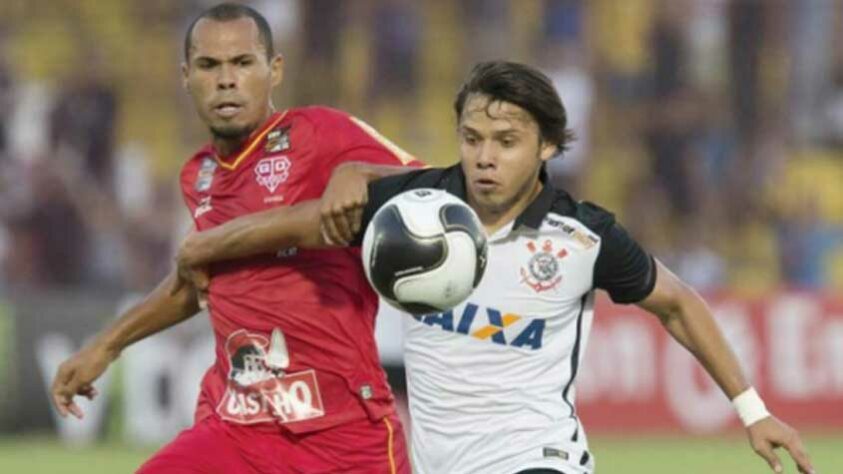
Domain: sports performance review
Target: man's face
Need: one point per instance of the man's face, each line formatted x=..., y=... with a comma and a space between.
x=229, y=77
x=501, y=153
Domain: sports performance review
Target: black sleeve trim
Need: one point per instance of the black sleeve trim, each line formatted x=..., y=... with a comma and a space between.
x=623, y=268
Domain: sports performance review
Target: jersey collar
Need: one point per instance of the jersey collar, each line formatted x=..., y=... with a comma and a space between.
x=532, y=216
x=230, y=162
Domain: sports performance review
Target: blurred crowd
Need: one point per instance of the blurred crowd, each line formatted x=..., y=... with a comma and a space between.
x=714, y=128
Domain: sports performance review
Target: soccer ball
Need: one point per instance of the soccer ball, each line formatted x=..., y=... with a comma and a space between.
x=424, y=251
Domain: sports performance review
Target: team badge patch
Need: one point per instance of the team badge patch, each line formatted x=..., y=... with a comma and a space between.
x=272, y=171
x=259, y=387
x=205, y=176
x=542, y=271
x=277, y=140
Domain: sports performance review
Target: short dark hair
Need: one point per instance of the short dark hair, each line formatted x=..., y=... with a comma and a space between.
x=524, y=86
x=230, y=12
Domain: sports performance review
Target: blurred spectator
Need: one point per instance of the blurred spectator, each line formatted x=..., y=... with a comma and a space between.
x=696, y=260
x=674, y=111
x=396, y=36
x=565, y=61
x=746, y=34
x=6, y=105
x=83, y=120
x=323, y=25
x=486, y=29
x=807, y=242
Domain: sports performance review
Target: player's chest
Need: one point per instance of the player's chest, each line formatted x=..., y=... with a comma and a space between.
x=223, y=192
x=534, y=288
x=538, y=271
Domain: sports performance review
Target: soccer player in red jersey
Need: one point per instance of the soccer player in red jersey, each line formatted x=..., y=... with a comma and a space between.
x=297, y=384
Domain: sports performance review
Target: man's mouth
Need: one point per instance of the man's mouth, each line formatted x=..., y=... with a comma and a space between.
x=227, y=109
x=486, y=184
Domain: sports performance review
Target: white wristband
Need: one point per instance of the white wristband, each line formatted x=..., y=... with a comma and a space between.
x=750, y=407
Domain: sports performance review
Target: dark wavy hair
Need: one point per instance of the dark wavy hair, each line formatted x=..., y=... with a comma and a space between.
x=524, y=86
x=231, y=12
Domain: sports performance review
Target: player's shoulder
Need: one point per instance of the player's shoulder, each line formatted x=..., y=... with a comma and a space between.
x=438, y=178
x=594, y=217
x=320, y=114
x=196, y=161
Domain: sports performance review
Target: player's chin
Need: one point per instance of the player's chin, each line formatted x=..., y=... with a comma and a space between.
x=230, y=130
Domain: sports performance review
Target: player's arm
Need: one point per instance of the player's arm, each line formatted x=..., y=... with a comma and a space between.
x=253, y=234
x=689, y=320
x=159, y=310
x=300, y=225
x=346, y=196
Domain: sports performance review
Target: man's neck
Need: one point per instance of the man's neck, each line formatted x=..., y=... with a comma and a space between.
x=226, y=146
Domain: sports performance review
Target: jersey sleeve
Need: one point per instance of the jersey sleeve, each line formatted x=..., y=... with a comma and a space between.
x=623, y=268
x=345, y=138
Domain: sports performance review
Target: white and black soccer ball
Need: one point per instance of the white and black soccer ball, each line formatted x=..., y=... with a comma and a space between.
x=424, y=251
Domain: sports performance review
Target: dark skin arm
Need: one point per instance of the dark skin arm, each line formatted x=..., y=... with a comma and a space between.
x=345, y=197
x=160, y=310
x=333, y=220
x=688, y=319
x=262, y=232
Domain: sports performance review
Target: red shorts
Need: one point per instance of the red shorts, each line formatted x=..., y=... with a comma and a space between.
x=213, y=446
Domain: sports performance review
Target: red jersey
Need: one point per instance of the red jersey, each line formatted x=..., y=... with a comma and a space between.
x=294, y=330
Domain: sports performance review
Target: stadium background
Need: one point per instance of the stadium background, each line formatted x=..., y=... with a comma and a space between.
x=714, y=128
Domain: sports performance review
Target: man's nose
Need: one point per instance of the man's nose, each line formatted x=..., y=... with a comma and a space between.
x=226, y=78
x=488, y=155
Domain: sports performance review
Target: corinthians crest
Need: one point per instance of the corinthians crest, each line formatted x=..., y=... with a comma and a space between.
x=542, y=271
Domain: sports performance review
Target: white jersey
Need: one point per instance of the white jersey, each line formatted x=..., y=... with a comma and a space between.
x=491, y=383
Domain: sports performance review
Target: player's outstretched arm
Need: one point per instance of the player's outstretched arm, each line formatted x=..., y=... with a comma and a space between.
x=261, y=232
x=688, y=319
x=346, y=196
x=159, y=310
x=332, y=220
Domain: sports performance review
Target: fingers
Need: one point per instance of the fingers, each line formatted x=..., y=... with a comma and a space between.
x=74, y=409
x=797, y=451
x=765, y=450
x=357, y=220
x=339, y=224
x=88, y=391
x=59, y=390
x=200, y=279
x=60, y=402
x=63, y=390
x=345, y=224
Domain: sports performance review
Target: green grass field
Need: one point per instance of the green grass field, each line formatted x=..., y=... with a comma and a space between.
x=615, y=455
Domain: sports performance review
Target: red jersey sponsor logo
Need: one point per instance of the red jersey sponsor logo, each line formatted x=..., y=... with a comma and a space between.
x=259, y=388
x=272, y=171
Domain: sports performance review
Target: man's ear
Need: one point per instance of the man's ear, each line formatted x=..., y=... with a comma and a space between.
x=548, y=150
x=185, y=69
x=276, y=70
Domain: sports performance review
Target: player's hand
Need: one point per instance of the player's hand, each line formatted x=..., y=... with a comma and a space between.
x=189, y=275
x=770, y=433
x=342, y=204
x=195, y=278
x=76, y=376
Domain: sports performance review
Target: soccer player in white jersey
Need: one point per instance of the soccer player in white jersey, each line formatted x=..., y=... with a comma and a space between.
x=491, y=383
